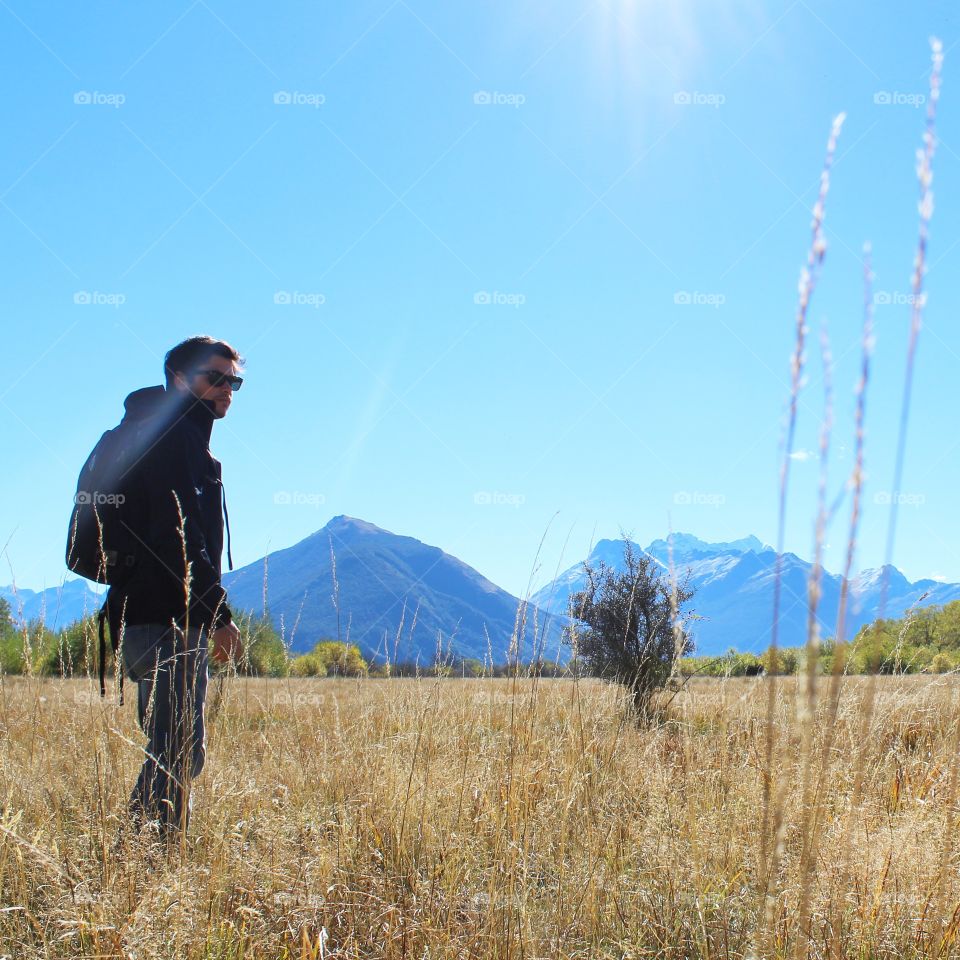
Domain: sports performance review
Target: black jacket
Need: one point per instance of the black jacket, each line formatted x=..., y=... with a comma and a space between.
x=175, y=477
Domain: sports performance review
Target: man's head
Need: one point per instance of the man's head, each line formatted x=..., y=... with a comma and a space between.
x=206, y=368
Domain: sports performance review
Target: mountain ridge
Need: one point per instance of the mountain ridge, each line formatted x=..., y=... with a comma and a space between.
x=388, y=585
x=400, y=597
x=734, y=587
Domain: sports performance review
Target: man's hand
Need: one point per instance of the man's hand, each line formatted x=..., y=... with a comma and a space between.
x=225, y=644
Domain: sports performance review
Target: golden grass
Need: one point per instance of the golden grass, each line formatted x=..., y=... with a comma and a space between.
x=485, y=818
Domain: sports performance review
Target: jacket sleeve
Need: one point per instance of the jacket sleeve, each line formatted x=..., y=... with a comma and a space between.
x=175, y=537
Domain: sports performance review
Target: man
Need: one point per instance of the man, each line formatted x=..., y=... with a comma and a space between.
x=173, y=609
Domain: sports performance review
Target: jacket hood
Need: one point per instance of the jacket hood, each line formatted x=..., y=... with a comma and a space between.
x=149, y=402
x=144, y=403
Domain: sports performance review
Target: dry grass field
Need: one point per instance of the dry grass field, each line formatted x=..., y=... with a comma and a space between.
x=492, y=818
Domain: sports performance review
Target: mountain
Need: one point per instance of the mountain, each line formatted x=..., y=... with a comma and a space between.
x=734, y=584
x=385, y=580
x=57, y=606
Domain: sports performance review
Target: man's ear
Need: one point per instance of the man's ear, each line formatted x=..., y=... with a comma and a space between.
x=180, y=381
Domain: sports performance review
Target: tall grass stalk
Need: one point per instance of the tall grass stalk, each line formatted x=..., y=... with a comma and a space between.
x=808, y=700
x=770, y=828
x=917, y=299
x=925, y=209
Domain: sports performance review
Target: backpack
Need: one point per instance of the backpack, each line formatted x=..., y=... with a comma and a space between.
x=101, y=546
x=102, y=538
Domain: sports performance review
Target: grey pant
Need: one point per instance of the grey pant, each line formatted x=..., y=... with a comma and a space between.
x=170, y=670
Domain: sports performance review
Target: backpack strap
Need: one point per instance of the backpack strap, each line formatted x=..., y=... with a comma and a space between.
x=102, y=619
x=106, y=619
x=226, y=517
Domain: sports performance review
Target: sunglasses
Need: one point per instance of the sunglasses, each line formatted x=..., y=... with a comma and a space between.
x=217, y=379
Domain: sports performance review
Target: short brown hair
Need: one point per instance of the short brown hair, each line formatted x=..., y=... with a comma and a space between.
x=193, y=351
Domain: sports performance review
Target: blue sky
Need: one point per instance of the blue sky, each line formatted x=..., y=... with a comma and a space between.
x=499, y=271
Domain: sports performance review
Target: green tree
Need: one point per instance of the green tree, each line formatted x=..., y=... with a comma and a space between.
x=782, y=661
x=470, y=667
x=11, y=641
x=874, y=646
x=74, y=650
x=331, y=658
x=746, y=665
x=29, y=648
x=265, y=654
x=941, y=663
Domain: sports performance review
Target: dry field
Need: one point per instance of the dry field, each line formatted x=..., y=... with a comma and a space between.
x=491, y=818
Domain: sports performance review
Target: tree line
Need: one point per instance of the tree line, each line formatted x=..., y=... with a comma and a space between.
x=625, y=628
x=925, y=640
x=72, y=651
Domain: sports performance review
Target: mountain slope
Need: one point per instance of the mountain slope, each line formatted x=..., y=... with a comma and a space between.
x=58, y=606
x=385, y=579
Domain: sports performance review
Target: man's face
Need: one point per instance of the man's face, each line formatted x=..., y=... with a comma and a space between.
x=198, y=383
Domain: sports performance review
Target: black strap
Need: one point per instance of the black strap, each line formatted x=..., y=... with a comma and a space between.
x=104, y=619
x=226, y=516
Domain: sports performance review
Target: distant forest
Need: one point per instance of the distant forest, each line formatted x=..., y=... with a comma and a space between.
x=923, y=641
x=926, y=640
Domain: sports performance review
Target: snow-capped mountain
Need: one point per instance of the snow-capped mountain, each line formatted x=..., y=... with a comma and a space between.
x=57, y=606
x=734, y=584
